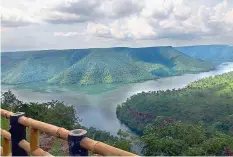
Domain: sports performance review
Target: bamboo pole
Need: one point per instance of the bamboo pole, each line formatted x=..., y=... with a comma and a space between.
x=1, y=152
x=37, y=152
x=34, y=139
x=6, y=113
x=103, y=149
x=44, y=127
x=6, y=134
x=6, y=151
x=6, y=147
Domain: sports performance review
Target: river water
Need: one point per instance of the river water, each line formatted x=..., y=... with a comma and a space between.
x=96, y=104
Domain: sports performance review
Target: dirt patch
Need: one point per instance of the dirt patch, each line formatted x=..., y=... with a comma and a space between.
x=64, y=147
x=46, y=142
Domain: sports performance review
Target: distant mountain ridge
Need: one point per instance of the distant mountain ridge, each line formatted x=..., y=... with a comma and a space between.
x=213, y=53
x=97, y=65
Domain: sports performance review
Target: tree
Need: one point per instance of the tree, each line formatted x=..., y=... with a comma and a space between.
x=184, y=139
x=9, y=101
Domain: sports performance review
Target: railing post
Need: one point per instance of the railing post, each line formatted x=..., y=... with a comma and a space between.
x=34, y=139
x=74, y=139
x=18, y=133
x=6, y=138
x=6, y=147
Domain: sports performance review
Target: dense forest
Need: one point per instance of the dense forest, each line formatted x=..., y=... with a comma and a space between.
x=196, y=120
x=51, y=112
x=97, y=65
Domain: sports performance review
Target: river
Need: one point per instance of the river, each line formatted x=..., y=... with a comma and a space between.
x=96, y=104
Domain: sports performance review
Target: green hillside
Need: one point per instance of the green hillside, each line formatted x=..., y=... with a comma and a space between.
x=36, y=66
x=93, y=66
x=209, y=101
x=213, y=53
x=194, y=121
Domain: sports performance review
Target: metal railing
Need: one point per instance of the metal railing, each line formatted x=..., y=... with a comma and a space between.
x=78, y=143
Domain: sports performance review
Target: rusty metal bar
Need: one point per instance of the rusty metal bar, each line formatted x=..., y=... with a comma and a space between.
x=44, y=127
x=34, y=139
x=6, y=113
x=37, y=152
x=102, y=148
x=6, y=151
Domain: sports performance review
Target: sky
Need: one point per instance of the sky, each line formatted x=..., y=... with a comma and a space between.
x=69, y=24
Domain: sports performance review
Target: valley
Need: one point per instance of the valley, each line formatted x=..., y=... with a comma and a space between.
x=138, y=90
x=96, y=104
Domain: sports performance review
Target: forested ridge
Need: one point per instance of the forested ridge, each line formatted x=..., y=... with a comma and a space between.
x=201, y=113
x=97, y=65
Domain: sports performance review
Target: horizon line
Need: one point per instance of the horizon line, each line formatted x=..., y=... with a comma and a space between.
x=113, y=47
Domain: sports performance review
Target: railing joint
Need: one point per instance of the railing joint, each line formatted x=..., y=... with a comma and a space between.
x=18, y=133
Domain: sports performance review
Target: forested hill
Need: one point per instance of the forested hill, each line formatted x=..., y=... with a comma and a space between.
x=209, y=100
x=213, y=53
x=98, y=65
x=194, y=121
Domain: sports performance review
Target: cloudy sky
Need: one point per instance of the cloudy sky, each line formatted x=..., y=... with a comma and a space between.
x=63, y=24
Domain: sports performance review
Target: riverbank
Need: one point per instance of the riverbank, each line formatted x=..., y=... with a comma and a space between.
x=96, y=105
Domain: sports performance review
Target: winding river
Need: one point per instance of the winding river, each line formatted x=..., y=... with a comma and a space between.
x=96, y=104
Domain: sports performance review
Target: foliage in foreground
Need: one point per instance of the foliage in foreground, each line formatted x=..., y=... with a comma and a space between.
x=184, y=139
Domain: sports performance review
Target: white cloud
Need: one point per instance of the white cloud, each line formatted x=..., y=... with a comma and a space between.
x=128, y=29
x=170, y=19
x=99, y=30
x=140, y=28
x=67, y=34
x=120, y=8
x=228, y=18
x=120, y=20
x=56, y=17
x=14, y=18
x=158, y=9
x=182, y=12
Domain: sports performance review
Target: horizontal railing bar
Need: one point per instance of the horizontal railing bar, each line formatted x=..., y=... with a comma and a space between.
x=6, y=134
x=87, y=143
x=37, y=152
x=6, y=113
x=44, y=127
x=102, y=148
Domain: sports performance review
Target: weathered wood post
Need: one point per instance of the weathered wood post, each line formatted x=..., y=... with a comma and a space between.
x=74, y=139
x=18, y=133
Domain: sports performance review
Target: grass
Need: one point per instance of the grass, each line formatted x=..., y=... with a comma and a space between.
x=5, y=124
x=56, y=149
